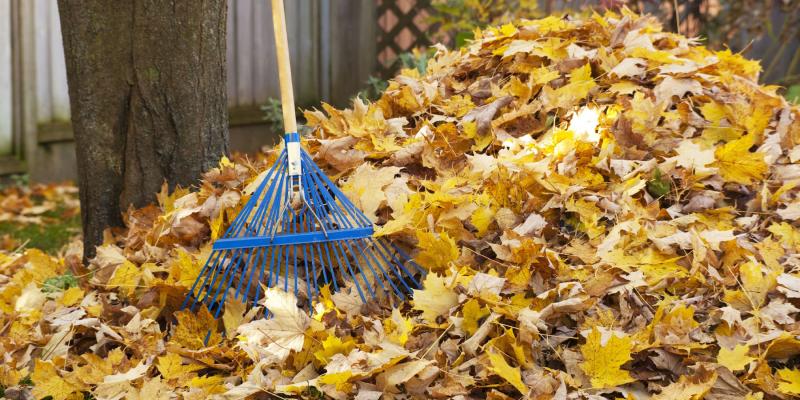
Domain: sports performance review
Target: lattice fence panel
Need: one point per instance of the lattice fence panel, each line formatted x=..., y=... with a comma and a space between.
x=401, y=27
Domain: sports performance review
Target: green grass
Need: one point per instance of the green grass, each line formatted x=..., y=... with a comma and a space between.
x=793, y=94
x=48, y=237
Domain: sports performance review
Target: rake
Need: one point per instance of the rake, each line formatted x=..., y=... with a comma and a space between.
x=298, y=231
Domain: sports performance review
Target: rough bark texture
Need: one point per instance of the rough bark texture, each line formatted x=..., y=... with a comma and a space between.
x=147, y=91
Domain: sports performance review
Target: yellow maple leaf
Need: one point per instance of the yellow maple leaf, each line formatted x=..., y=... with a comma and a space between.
x=589, y=215
x=224, y=162
x=789, y=381
x=602, y=362
x=735, y=359
x=126, y=278
x=644, y=115
x=435, y=299
x=737, y=164
x=406, y=100
x=788, y=235
x=71, y=296
x=543, y=75
x=437, y=251
x=481, y=219
x=659, y=56
x=171, y=366
x=333, y=345
x=96, y=367
x=735, y=63
x=458, y=105
x=339, y=379
x=398, y=328
x=755, y=286
x=714, y=112
x=473, y=312
x=184, y=270
x=192, y=330
x=10, y=376
x=233, y=316
x=580, y=83
x=216, y=226
x=689, y=387
x=47, y=382
x=364, y=187
x=39, y=267
x=213, y=384
x=512, y=375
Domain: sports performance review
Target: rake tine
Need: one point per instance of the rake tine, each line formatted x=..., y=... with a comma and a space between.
x=197, y=281
x=399, y=264
x=206, y=285
x=314, y=275
x=399, y=276
x=410, y=260
x=308, y=277
x=366, y=282
x=247, y=265
x=260, y=273
x=350, y=268
x=363, y=248
x=242, y=218
x=224, y=292
x=328, y=250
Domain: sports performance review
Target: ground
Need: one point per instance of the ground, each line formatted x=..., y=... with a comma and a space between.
x=40, y=216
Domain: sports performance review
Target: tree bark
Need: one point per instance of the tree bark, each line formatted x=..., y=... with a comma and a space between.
x=148, y=97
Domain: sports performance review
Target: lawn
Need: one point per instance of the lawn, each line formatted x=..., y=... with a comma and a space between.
x=42, y=216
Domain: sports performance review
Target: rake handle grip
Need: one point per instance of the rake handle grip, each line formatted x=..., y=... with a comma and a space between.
x=284, y=67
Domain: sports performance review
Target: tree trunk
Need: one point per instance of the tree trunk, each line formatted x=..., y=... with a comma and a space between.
x=148, y=96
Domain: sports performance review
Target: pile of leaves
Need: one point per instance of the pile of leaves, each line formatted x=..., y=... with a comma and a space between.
x=606, y=210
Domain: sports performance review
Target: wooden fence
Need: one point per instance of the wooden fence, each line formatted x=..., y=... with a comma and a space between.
x=6, y=134
x=332, y=48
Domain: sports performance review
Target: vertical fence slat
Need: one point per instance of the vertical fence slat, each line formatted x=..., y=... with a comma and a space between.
x=58, y=69
x=264, y=82
x=293, y=19
x=230, y=53
x=307, y=58
x=323, y=34
x=6, y=134
x=353, y=46
x=244, y=52
x=43, y=99
x=26, y=74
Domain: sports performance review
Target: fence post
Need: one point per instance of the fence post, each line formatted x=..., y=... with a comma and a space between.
x=353, y=43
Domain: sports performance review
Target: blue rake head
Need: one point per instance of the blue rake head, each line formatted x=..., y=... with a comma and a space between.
x=299, y=231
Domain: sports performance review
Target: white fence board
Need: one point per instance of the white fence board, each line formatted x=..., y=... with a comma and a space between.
x=52, y=97
x=58, y=69
x=6, y=124
x=41, y=13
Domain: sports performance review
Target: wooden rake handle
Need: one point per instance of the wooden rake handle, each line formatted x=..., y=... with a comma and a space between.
x=284, y=67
